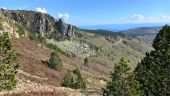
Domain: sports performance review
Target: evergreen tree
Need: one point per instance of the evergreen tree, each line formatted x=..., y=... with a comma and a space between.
x=154, y=70
x=68, y=80
x=76, y=83
x=8, y=68
x=86, y=61
x=122, y=83
x=80, y=82
x=55, y=61
x=132, y=86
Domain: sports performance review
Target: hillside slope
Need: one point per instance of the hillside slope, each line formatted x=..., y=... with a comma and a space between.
x=102, y=48
x=112, y=48
x=34, y=75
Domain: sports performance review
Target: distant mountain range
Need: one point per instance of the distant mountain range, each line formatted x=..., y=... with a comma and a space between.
x=142, y=31
x=121, y=27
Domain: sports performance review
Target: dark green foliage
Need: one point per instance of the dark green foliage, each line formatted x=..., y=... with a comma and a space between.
x=33, y=36
x=104, y=32
x=123, y=83
x=37, y=37
x=75, y=83
x=41, y=39
x=5, y=43
x=86, y=61
x=132, y=86
x=8, y=68
x=55, y=61
x=68, y=80
x=154, y=70
x=55, y=47
x=20, y=30
x=1, y=27
x=80, y=83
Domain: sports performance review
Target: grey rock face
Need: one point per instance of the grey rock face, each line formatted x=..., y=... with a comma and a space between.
x=62, y=27
x=43, y=24
x=70, y=31
x=65, y=29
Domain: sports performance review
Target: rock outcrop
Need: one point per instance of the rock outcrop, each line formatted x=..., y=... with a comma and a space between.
x=41, y=23
x=79, y=48
x=65, y=29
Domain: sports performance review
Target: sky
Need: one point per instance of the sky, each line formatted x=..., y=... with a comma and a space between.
x=95, y=12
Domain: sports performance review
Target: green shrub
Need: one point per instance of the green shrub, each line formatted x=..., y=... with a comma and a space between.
x=55, y=61
x=33, y=36
x=80, y=82
x=8, y=68
x=20, y=30
x=37, y=38
x=75, y=83
x=1, y=27
x=55, y=47
x=86, y=61
x=68, y=80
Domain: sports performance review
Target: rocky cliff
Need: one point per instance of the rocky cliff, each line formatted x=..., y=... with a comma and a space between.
x=41, y=23
x=65, y=29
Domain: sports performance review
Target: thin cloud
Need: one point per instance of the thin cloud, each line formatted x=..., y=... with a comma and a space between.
x=64, y=16
x=42, y=10
x=4, y=8
x=137, y=16
x=164, y=17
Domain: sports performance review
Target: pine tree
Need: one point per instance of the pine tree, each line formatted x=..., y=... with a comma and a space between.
x=8, y=68
x=68, y=80
x=76, y=83
x=55, y=61
x=132, y=86
x=86, y=61
x=80, y=82
x=122, y=84
x=154, y=70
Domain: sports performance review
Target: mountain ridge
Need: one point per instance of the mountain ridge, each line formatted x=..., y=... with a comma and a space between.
x=142, y=31
x=38, y=22
x=121, y=27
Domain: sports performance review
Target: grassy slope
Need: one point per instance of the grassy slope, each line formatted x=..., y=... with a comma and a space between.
x=31, y=57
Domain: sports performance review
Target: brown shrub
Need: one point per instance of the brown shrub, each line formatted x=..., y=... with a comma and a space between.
x=53, y=93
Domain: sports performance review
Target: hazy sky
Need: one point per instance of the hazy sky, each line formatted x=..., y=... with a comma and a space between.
x=92, y=12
